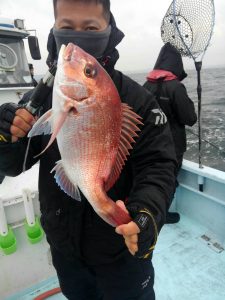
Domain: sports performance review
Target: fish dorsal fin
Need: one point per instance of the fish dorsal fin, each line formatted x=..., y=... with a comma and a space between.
x=129, y=127
x=64, y=182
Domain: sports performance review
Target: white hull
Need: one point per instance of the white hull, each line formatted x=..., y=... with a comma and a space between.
x=12, y=94
x=205, y=212
x=30, y=263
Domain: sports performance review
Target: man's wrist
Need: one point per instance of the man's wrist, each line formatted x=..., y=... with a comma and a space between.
x=148, y=235
x=7, y=115
x=3, y=138
x=147, y=217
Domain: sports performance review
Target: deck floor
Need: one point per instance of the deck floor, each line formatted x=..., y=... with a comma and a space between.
x=186, y=267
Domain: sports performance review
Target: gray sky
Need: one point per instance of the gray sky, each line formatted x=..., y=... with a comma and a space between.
x=140, y=20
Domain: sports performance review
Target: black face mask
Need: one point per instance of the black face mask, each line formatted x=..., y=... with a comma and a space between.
x=93, y=42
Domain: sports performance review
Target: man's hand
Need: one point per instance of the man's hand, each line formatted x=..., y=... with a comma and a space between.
x=140, y=234
x=21, y=124
x=129, y=231
x=15, y=122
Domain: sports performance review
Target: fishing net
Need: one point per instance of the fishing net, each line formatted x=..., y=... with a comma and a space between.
x=188, y=26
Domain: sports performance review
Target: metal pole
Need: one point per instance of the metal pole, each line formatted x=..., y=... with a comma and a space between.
x=198, y=66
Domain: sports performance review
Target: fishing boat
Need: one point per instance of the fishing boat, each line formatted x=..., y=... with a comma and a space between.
x=189, y=258
x=15, y=76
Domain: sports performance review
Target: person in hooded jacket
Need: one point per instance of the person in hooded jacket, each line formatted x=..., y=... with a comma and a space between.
x=93, y=260
x=165, y=83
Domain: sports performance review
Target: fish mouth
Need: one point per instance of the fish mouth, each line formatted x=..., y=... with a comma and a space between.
x=67, y=52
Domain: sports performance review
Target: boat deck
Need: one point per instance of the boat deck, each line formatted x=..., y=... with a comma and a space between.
x=187, y=266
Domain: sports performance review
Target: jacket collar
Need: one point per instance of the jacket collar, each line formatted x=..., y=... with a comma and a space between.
x=161, y=75
x=111, y=54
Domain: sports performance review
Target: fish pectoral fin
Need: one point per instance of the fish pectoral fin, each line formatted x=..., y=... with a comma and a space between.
x=43, y=125
x=64, y=182
x=130, y=120
x=59, y=119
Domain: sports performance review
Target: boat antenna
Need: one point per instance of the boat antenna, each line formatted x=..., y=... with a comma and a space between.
x=188, y=26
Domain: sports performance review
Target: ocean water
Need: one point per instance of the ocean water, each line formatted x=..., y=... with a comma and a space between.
x=213, y=116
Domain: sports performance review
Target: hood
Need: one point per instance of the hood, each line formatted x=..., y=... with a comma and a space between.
x=110, y=56
x=170, y=59
x=52, y=49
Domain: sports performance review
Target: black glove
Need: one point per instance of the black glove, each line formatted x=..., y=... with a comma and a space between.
x=148, y=235
x=7, y=115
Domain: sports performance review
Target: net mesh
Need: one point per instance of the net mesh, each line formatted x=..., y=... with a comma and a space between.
x=188, y=26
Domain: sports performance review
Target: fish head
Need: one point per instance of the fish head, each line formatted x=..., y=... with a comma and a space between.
x=80, y=78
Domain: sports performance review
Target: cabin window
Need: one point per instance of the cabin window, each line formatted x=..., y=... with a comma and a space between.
x=14, y=70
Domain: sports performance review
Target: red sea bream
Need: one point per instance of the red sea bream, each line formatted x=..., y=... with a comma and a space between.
x=94, y=131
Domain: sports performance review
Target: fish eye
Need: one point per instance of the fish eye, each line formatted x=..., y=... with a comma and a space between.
x=90, y=71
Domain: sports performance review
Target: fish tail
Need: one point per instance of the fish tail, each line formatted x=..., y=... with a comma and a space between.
x=113, y=214
x=106, y=208
x=119, y=216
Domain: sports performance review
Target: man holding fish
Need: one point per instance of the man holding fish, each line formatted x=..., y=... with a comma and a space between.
x=107, y=161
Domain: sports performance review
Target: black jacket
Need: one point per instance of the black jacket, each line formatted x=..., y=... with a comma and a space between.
x=172, y=96
x=147, y=180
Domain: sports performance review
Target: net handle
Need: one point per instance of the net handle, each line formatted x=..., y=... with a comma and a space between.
x=198, y=66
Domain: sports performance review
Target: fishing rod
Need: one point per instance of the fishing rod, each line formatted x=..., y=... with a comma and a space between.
x=41, y=91
x=220, y=149
x=188, y=26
